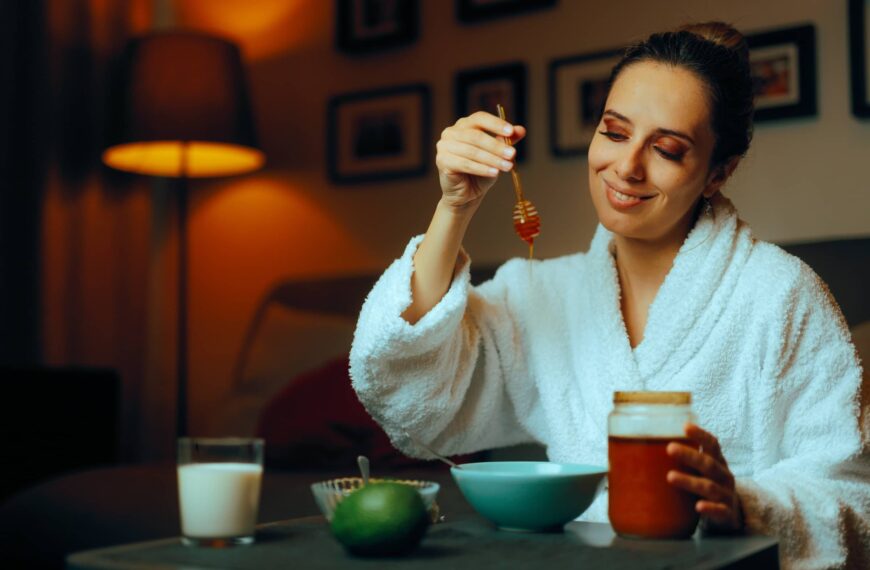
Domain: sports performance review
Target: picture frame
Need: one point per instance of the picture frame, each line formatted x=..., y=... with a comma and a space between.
x=473, y=11
x=577, y=89
x=365, y=26
x=783, y=67
x=381, y=134
x=480, y=89
x=859, y=24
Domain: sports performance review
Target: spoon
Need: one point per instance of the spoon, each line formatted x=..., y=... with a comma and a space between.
x=527, y=221
x=363, y=463
x=426, y=448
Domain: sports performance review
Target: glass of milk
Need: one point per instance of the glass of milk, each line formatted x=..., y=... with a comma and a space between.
x=219, y=489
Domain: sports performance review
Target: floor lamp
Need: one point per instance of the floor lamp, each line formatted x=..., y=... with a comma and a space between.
x=181, y=110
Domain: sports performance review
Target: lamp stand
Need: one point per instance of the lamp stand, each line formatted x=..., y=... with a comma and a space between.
x=181, y=357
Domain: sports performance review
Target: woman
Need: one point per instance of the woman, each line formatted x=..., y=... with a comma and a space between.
x=673, y=294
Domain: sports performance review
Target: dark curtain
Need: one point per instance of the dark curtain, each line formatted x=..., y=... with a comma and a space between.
x=24, y=149
x=77, y=246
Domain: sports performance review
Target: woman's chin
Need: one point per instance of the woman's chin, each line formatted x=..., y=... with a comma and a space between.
x=620, y=226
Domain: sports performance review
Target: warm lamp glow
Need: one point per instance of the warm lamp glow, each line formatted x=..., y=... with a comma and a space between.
x=271, y=28
x=164, y=158
x=182, y=109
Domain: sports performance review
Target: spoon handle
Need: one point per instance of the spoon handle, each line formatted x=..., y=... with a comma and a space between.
x=429, y=450
x=363, y=463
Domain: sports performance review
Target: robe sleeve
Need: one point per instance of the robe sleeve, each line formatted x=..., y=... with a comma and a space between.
x=443, y=378
x=815, y=493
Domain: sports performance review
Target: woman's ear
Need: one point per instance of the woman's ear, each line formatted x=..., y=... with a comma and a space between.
x=719, y=175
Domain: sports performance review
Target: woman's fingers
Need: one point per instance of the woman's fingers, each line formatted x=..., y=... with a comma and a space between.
x=701, y=462
x=708, y=442
x=701, y=486
x=716, y=510
x=487, y=122
x=476, y=154
x=720, y=514
x=519, y=134
x=481, y=140
x=452, y=164
x=472, y=152
x=714, y=483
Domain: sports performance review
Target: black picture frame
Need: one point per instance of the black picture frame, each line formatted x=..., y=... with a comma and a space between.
x=577, y=87
x=479, y=89
x=472, y=11
x=379, y=134
x=783, y=67
x=858, y=28
x=366, y=26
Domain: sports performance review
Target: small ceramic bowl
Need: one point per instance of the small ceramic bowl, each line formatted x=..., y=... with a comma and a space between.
x=529, y=496
x=327, y=494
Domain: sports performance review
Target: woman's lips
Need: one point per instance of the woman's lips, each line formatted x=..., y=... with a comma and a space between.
x=623, y=200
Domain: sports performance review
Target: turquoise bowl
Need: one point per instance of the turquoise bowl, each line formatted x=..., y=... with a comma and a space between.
x=529, y=496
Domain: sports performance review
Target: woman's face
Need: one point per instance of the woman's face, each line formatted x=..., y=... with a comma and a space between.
x=649, y=158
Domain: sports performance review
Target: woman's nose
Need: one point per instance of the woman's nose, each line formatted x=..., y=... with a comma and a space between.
x=630, y=164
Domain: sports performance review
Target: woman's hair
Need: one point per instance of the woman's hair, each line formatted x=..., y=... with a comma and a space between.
x=717, y=53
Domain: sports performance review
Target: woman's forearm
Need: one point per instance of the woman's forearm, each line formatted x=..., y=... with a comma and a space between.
x=435, y=259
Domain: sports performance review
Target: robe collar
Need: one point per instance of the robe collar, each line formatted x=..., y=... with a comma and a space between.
x=688, y=304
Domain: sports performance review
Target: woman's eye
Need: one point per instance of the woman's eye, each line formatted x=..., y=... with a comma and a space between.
x=676, y=157
x=614, y=136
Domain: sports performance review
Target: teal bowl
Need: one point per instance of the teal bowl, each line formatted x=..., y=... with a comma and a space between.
x=529, y=496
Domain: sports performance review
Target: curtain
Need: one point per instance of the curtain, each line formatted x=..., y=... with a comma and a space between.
x=83, y=249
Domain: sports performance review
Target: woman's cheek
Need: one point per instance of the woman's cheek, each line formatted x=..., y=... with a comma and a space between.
x=597, y=154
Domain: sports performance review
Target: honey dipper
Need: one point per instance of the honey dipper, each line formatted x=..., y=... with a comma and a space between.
x=527, y=222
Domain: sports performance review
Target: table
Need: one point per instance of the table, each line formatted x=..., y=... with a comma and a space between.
x=465, y=541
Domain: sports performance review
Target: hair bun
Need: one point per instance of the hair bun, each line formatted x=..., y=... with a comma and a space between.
x=721, y=34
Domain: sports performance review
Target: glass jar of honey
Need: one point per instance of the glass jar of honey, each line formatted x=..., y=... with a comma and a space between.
x=642, y=504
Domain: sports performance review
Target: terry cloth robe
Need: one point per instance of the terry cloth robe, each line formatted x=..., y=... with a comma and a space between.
x=535, y=354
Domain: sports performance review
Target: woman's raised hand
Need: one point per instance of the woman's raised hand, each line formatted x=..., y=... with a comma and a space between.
x=471, y=153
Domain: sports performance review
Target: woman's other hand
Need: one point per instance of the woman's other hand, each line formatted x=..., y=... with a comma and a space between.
x=708, y=477
x=470, y=155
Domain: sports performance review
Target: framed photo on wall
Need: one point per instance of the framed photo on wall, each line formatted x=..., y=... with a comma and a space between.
x=483, y=88
x=378, y=135
x=578, y=89
x=859, y=57
x=471, y=11
x=783, y=67
x=363, y=26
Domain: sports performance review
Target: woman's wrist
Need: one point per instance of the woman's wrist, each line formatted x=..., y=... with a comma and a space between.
x=458, y=212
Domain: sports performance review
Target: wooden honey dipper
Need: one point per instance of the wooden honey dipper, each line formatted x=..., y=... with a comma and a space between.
x=527, y=222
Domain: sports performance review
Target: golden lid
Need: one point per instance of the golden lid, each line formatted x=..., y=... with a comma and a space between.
x=673, y=398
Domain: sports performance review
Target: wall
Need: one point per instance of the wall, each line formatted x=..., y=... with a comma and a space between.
x=802, y=180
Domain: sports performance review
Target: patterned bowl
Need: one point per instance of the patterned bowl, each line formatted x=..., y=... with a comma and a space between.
x=327, y=494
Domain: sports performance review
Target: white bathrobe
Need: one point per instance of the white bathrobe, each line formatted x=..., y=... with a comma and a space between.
x=536, y=353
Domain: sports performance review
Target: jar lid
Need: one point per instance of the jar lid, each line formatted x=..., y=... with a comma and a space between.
x=674, y=398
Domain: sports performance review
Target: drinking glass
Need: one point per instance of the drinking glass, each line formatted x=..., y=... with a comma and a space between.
x=219, y=489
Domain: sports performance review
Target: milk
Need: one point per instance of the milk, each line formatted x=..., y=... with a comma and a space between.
x=219, y=500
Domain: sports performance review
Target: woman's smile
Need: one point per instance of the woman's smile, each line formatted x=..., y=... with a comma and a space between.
x=624, y=199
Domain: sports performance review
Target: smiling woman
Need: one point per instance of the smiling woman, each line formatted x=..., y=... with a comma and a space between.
x=675, y=294
x=649, y=162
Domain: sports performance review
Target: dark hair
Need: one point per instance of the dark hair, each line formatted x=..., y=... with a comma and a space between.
x=717, y=53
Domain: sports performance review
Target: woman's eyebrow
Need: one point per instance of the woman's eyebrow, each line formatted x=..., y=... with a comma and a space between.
x=670, y=132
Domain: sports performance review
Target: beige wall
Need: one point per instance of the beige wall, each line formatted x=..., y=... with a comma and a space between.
x=802, y=180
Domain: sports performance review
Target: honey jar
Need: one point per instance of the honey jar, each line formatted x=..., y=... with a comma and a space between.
x=642, y=504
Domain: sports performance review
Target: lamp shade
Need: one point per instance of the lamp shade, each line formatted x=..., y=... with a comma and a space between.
x=182, y=109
